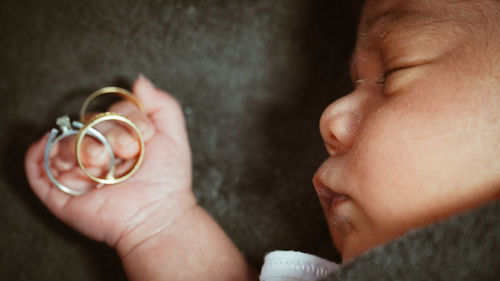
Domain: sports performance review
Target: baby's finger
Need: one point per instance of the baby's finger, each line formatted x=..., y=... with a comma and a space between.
x=139, y=118
x=93, y=152
x=125, y=144
x=62, y=155
x=163, y=110
x=78, y=181
x=121, y=137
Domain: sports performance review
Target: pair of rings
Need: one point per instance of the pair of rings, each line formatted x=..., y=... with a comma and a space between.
x=82, y=129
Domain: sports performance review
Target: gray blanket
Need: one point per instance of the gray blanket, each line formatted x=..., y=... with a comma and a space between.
x=465, y=247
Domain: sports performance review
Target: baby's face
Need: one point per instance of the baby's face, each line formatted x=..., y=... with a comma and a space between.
x=418, y=138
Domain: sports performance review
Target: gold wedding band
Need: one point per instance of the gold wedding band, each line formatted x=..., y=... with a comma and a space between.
x=110, y=179
x=109, y=90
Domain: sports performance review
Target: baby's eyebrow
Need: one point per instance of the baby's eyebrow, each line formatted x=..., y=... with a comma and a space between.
x=387, y=21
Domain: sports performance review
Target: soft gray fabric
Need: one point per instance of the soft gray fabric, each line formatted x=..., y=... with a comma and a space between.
x=463, y=248
x=252, y=75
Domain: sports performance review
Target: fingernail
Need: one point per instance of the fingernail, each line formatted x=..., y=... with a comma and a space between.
x=125, y=140
x=94, y=150
x=62, y=165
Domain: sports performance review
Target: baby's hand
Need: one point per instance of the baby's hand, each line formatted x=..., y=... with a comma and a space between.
x=126, y=214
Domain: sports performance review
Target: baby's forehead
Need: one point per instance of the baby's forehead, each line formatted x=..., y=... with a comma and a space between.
x=463, y=13
x=427, y=29
x=479, y=18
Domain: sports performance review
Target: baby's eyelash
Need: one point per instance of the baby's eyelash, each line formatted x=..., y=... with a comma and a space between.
x=377, y=81
x=389, y=72
x=381, y=80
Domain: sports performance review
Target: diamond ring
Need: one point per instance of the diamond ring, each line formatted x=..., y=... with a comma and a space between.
x=66, y=129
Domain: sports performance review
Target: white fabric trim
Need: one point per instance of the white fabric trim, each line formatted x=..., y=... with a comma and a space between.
x=295, y=266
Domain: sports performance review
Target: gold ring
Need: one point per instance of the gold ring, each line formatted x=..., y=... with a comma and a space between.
x=109, y=90
x=110, y=178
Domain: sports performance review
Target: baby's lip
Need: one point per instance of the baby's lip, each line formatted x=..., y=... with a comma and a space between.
x=329, y=197
x=332, y=202
x=333, y=177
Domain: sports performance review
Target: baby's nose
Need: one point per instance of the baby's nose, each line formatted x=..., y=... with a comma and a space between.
x=340, y=122
x=339, y=131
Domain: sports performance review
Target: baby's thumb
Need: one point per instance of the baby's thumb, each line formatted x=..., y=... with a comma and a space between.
x=163, y=109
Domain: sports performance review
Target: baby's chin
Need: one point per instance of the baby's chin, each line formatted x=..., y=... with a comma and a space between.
x=350, y=253
x=352, y=247
x=348, y=250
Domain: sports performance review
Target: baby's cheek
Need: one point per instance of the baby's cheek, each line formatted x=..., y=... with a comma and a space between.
x=393, y=168
x=409, y=164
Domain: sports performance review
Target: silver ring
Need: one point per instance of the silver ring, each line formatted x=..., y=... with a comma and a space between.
x=67, y=130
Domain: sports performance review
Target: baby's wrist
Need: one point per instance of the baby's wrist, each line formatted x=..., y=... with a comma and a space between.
x=158, y=217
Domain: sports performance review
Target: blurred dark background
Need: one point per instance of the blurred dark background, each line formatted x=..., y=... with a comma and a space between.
x=252, y=76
